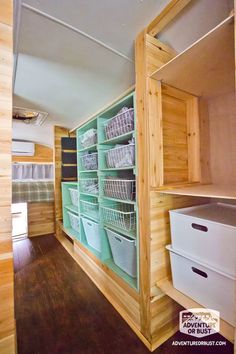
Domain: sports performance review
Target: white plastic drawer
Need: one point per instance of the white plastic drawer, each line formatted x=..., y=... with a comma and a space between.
x=124, y=252
x=208, y=233
x=206, y=286
x=91, y=230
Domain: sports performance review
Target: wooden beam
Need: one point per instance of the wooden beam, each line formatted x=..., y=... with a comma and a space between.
x=143, y=183
x=166, y=16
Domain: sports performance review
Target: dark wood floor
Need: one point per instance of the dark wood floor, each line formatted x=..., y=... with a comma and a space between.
x=59, y=310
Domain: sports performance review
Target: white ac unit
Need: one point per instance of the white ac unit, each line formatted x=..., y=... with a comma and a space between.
x=22, y=148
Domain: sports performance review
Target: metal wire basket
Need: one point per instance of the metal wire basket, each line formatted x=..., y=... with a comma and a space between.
x=88, y=138
x=121, y=156
x=121, y=124
x=89, y=161
x=118, y=188
x=122, y=216
x=90, y=208
x=89, y=185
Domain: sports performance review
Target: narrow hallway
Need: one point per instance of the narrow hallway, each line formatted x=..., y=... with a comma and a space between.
x=59, y=310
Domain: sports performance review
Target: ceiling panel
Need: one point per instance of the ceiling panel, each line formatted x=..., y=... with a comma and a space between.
x=64, y=73
x=115, y=22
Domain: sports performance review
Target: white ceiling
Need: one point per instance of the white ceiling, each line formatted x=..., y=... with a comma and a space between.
x=71, y=76
x=68, y=75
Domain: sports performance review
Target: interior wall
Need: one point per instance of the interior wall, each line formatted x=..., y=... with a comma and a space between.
x=37, y=134
x=222, y=127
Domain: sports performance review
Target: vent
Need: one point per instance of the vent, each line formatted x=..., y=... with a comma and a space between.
x=29, y=116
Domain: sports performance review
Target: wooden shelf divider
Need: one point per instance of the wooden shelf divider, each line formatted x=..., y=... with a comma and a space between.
x=203, y=190
x=166, y=286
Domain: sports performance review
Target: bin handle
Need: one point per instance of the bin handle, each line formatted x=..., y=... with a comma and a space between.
x=118, y=239
x=199, y=272
x=199, y=227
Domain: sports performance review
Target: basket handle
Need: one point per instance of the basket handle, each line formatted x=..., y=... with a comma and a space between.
x=118, y=239
x=199, y=272
x=199, y=227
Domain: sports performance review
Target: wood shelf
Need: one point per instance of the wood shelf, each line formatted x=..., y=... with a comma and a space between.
x=206, y=68
x=226, y=330
x=205, y=190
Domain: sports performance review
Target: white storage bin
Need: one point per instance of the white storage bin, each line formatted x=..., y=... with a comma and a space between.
x=74, y=196
x=207, y=286
x=74, y=221
x=207, y=233
x=91, y=230
x=124, y=252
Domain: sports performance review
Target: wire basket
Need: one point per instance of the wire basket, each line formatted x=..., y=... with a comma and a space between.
x=74, y=221
x=122, y=216
x=89, y=185
x=118, y=188
x=88, y=138
x=89, y=161
x=74, y=196
x=121, y=124
x=90, y=208
x=121, y=156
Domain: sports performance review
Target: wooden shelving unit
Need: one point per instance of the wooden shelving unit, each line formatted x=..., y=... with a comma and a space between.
x=201, y=190
x=166, y=286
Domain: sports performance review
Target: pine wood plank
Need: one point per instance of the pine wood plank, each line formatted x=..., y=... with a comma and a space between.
x=166, y=16
x=203, y=59
x=7, y=321
x=40, y=218
x=210, y=190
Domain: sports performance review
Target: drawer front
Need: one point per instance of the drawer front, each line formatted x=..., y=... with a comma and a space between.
x=205, y=286
x=209, y=242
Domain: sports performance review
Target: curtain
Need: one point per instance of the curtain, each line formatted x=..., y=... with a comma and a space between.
x=32, y=171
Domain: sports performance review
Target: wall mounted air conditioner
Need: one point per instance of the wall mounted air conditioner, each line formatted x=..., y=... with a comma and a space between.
x=22, y=148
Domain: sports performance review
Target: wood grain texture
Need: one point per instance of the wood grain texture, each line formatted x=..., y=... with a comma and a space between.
x=62, y=309
x=166, y=16
x=203, y=60
x=222, y=128
x=143, y=182
x=7, y=323
x=180, y=138
x=43, y=154
x=40, y=218
x=6, y=13
x=160, y=231
x=146, y=53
